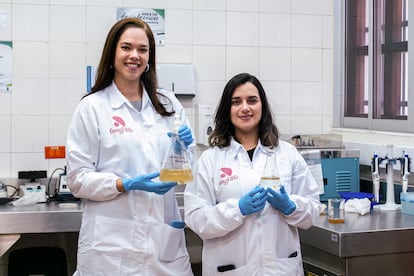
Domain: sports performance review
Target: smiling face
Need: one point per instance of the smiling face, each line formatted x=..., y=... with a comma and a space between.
x=131, y=55
x=246, y=109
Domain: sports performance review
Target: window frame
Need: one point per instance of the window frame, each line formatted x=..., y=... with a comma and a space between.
x=370, y=123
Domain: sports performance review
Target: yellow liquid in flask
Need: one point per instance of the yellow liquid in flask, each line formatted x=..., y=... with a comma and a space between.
x=181, y=176
x=272, y=182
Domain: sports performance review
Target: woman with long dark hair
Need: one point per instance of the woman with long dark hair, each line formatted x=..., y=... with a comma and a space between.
x=131, y=224
x=248, y=226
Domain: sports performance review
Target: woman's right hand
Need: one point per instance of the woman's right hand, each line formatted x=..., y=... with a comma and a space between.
x=254, y=201
x=144, y=183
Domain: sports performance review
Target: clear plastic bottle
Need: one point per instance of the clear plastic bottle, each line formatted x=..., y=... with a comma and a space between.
x=176, y=165
x=270, y=176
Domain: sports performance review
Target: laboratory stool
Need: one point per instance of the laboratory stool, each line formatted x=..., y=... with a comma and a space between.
x=47, y=261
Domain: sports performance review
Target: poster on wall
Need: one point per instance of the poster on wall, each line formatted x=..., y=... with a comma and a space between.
x=153, y=17
x=6, y=62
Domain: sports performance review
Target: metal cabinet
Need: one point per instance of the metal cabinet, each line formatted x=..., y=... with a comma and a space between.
x=340, y=169
x=379, y=243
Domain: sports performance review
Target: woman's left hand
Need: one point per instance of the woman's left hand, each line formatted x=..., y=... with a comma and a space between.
x=184, y=132
x=185, y=135
x=281, y=201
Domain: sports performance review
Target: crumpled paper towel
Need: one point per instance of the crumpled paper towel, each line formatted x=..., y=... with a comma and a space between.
x=358, y=205
x=29, y=199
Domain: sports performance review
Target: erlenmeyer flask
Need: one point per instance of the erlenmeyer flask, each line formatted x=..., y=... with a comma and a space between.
x=270, y=176
x=176, y=165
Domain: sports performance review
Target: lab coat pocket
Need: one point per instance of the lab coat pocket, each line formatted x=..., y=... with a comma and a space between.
x=98, y=265
x=171, y=243
x=105, y=239
x=288, y=266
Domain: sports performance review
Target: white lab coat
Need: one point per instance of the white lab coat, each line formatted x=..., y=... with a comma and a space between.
x=123, y=233
x=257, y=244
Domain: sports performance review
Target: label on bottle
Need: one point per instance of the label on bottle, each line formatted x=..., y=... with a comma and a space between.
x=272, y=182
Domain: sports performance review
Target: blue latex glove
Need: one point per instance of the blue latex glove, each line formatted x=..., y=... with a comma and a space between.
x=254, y=201
x=281, y=201
x=184, y=133
x=177, y=224
x=144, y=183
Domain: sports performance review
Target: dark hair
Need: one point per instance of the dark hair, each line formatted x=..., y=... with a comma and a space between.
x=105, y=71
x=224, y=128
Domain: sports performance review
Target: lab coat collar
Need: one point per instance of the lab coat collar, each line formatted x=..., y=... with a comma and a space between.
x=117, y=99
x=236, y=147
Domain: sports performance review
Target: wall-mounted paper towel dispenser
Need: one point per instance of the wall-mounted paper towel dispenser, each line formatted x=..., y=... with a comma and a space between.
x=205, y=123
x=177, y=78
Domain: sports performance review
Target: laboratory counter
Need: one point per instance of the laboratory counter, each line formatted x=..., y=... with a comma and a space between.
x=379, y=243
x=50, y=217
x=58, y=217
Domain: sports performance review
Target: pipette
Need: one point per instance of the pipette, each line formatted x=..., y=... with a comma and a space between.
x=375, y=176
x=405, y=171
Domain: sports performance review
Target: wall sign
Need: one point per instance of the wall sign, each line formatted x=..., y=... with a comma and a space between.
x=6, y=66
x=153, y=17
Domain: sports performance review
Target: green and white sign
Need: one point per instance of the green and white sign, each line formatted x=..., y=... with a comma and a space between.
x=155, y=18
x=6, y=66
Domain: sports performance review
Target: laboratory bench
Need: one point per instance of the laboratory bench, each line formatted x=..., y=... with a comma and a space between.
x=40, y=225
x=378, y=243
x=52, y=217
x=57, y=223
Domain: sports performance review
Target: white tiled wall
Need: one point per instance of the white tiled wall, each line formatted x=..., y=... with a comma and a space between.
x=287, y=44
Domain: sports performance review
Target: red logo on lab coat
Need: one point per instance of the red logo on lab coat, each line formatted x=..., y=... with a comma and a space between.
x=226, y=171
x=120, y=126
x=118, y=121
x=226, y=175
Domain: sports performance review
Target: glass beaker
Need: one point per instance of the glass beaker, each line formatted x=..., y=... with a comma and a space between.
x=176, y=165
x=336, y=212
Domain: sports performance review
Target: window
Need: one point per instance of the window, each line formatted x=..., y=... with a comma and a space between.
x=372, y=56
x=356, y=38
